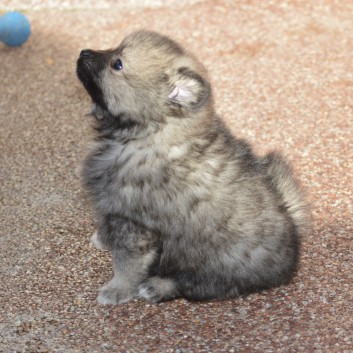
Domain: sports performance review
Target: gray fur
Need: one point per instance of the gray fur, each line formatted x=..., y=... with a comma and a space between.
x=185, y=207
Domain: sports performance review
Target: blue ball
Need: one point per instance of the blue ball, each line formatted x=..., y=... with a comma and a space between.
x=14, y=29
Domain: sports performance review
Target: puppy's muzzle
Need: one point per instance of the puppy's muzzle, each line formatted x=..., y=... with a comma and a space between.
x=90, y=63
x=86, y=53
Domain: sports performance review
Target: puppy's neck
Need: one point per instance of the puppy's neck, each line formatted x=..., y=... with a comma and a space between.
x=112, y=126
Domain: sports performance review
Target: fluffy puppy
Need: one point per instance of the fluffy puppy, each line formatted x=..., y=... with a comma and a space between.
x=186, y=209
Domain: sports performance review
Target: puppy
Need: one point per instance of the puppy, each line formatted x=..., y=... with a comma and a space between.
x=185, y=208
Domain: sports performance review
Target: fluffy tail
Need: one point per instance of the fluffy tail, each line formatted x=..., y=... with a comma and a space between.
x=281, y=177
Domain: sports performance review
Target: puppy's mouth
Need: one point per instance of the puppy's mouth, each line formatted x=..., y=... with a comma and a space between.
x=100, y=113
x=87, y=71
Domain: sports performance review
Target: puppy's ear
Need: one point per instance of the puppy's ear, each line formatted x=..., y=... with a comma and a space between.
x=189, y=90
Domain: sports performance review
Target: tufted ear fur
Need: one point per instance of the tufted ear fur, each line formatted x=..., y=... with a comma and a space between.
x=189, y=89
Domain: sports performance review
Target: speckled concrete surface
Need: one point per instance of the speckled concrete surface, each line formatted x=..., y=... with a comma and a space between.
x=282, y=73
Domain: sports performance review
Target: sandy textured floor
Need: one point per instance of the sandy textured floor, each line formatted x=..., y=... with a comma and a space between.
x=282, y=73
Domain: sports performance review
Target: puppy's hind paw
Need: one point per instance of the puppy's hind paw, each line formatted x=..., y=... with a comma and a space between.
x=156, y=289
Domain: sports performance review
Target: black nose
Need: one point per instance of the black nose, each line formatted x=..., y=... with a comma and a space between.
x=87, y=53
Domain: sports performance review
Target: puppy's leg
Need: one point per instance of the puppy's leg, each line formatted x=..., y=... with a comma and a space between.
x=106, y=234
x=134, y=250
x=157, y=289
x=97, y=243
x=130, y=269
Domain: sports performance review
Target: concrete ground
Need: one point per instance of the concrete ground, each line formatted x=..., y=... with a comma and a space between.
x=282, y=73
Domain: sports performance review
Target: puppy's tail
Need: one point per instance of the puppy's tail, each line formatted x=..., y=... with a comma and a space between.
x=282, y=180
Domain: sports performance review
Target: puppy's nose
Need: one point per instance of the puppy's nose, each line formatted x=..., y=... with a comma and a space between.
x=87, y=53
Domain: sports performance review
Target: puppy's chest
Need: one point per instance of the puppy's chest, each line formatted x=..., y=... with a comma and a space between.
x=116, y=168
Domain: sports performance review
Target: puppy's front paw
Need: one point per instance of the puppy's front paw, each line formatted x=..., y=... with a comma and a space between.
x=107, y=297
x=95, y=241
x=156, y=289
x=112, y=296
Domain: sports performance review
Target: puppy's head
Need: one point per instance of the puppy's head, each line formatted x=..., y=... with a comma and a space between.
x=147, y=77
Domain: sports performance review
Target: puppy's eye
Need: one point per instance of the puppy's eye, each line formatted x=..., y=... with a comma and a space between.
x=117, y=65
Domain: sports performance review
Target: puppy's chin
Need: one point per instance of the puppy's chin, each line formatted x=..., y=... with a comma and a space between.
x=83, y=72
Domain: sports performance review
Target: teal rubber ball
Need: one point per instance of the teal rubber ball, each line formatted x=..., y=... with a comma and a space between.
x=14, y=29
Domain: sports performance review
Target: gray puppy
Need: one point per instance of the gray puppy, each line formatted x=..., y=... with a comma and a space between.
x=186, y=209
